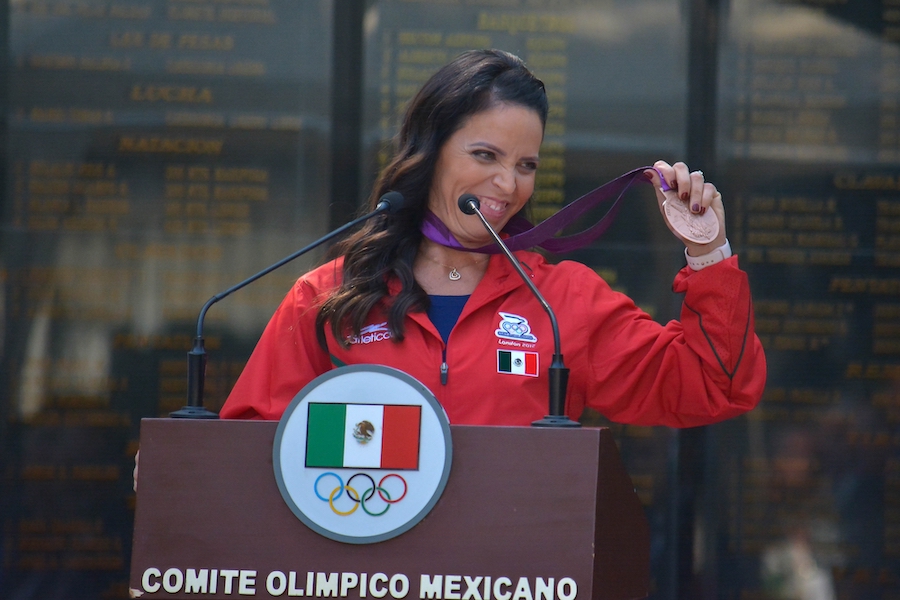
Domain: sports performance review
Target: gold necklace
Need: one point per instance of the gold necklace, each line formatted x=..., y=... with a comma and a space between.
x=454, y=274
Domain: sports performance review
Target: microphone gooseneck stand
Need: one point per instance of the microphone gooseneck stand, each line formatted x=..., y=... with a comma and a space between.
x=391, y=202
x=558, y=373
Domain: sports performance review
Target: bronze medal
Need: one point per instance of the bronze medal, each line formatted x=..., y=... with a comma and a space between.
x=700, y=229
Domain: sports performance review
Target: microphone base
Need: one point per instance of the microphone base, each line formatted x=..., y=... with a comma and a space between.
x=193, y=412
x=556, y=421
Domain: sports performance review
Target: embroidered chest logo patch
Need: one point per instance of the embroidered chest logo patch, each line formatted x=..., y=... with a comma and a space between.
x=514, y=327
x=371, y=333
x=516, y=362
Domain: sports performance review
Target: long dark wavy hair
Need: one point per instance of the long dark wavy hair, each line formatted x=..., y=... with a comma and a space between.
x=386, y=246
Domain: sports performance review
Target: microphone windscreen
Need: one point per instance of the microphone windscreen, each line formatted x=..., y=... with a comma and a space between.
x=468, y=203
x=392, y=201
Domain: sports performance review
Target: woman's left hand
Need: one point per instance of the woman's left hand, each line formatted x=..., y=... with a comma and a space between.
x=698, y=195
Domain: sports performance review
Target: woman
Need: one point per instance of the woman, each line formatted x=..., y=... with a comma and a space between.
x=457, y=320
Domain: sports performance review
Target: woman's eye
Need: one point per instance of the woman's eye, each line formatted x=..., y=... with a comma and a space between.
x=529, y=166
x=484, y=154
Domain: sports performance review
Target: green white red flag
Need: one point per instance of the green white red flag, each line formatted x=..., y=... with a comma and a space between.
x=363, y=436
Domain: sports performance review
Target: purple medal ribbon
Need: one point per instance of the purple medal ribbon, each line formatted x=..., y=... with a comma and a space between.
x=523, y=234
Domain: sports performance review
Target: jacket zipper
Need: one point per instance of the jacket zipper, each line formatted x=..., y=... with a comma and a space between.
x=444, y=367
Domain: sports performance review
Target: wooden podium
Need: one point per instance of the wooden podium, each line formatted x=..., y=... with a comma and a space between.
x=527, y=514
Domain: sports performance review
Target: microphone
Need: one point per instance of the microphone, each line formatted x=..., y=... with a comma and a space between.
x=559, y=374
x=390, y=202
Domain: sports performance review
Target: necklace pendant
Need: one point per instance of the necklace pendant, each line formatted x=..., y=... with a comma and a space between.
x=454, y=275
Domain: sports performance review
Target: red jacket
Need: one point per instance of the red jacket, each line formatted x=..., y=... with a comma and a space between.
x=705, y=368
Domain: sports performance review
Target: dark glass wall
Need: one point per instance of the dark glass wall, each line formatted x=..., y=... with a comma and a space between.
x=155, y=154
x=158, y=151
x=808, y=152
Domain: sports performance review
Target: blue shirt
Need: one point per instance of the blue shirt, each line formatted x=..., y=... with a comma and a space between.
x=444, y=312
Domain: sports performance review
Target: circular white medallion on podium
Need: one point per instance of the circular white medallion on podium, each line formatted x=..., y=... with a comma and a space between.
x=362, y=453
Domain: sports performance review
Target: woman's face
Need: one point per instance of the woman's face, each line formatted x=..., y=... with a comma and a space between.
x=494, y=156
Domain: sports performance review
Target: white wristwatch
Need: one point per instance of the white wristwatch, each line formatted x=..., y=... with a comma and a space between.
x=717, y=255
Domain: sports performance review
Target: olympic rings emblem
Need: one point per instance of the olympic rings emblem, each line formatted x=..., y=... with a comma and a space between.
x=359, y=500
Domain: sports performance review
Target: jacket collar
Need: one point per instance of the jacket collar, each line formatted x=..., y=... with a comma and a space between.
x=499, y=279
